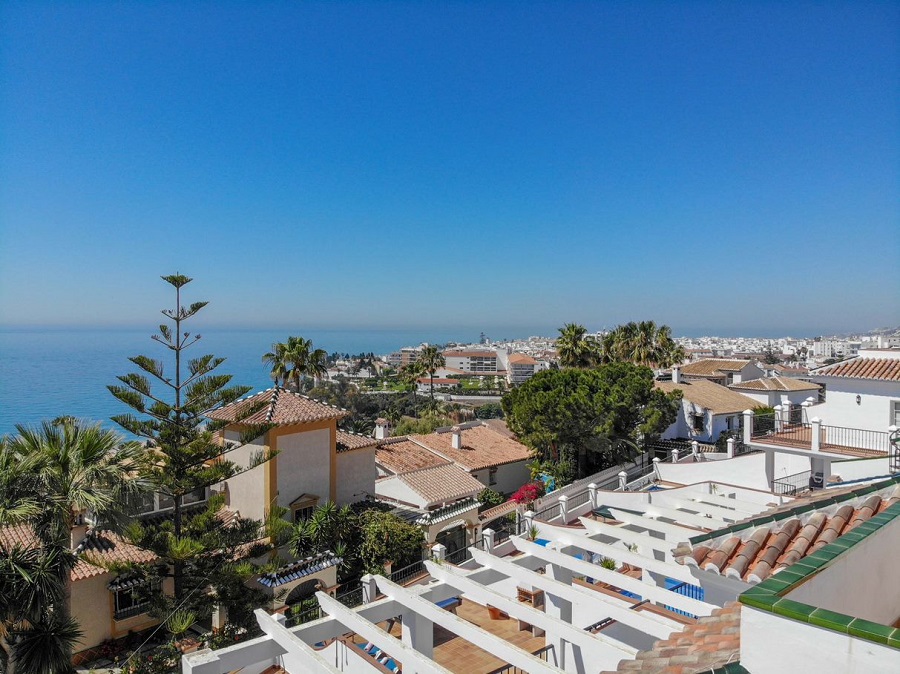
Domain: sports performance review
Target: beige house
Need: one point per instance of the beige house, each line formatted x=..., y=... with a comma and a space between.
x=105, y=605
x=315, y=462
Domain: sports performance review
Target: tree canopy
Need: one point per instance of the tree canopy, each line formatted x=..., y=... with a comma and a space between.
x=602, y=415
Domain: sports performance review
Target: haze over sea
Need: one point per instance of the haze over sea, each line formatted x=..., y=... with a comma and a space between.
x=46, y=373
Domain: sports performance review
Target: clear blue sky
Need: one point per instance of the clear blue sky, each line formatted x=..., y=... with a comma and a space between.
x=724, y=167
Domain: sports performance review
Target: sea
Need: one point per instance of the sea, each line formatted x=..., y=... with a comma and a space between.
x=47, y=373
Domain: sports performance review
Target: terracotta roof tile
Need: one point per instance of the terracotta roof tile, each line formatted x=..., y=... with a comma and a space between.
x=775, y=384
x=711, y=642
x=441, y=484
x=522, y=359
x=347, y=442
x=104, y=547
x=755, y=554
x=97, y=546
x=400, y=455
x=482, y=447
x=470, y=354
x=884, y=369
x=710, y=395
x=713, y=367
x=277, y=406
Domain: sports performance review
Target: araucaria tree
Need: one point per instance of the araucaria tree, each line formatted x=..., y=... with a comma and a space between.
x=203, y=553
x=602, y=416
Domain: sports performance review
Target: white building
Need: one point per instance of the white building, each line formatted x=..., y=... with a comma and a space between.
x=661, y=601
x=724, y=371
x=707, y=409
x=863, y=392
x=482, y=361
x=772, y=391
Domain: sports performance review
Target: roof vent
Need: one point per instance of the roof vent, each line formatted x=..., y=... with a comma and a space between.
x=456, y=438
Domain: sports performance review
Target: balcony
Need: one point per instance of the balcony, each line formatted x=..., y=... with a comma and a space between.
x=770, y=430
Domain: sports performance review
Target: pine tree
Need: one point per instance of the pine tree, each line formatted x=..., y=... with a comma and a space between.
x=197, y=547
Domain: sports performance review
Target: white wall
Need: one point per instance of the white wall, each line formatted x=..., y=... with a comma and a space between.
x=773, y=398
x=304, y=465
x=743, y=471
x=246, y=492
x=772, y=644
x=355, y=475
x=748, y=372
x=511, y=476
x=859, y=582
x=859, y=469
x=840, y=408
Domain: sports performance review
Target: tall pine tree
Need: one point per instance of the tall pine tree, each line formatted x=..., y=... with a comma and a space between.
x=202, y=551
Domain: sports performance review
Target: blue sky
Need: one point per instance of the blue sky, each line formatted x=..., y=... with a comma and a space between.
x=720, y=167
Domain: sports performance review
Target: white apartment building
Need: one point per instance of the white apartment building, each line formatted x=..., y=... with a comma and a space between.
x=482, y=361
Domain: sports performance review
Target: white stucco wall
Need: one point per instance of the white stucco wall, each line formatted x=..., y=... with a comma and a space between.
x=773, y=398
x=840, y=407
x=304, y=465
x=355, y=475
x=509, y=477
x=743, y=471
x=246, y=492
x=772, y=644
x=859, y=582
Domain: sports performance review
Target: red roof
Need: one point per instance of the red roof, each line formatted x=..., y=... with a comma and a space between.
x=885, y=369
x=277, y=406
x=754, y=554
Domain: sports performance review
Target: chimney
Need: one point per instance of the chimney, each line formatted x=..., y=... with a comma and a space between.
x=676, y=374
x=456, y=438
x=382, y=429
x=78, y=532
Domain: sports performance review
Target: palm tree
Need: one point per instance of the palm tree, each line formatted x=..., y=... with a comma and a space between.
x=575, y=348
x=74, y=468
x=34, y=637
x=277, y=359
x=643, y=344
x=430, y=359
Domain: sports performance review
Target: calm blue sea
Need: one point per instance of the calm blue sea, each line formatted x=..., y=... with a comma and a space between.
x=49, y=373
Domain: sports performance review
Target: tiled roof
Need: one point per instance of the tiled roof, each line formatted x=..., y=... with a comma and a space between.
x=521, y=359
x=775, y=384
x=438, y=380
x=482, y=447
x=712, y=642
x=277, y=406
x=710, y=395
x=754, y=553
x=884, y=369
x=347, y=442
x=102, y=547
x=439, y=484
x=713, y=367
x=470, y=354
x=299, y=569
x=400, y=455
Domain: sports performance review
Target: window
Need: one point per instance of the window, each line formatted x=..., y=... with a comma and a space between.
x=303, y=507
x=699, y=422
x=895, y=413
x=729, y=423
x=132, y=598
x=492, y=476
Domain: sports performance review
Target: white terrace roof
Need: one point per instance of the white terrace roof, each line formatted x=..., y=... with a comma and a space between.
x=639, y=540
